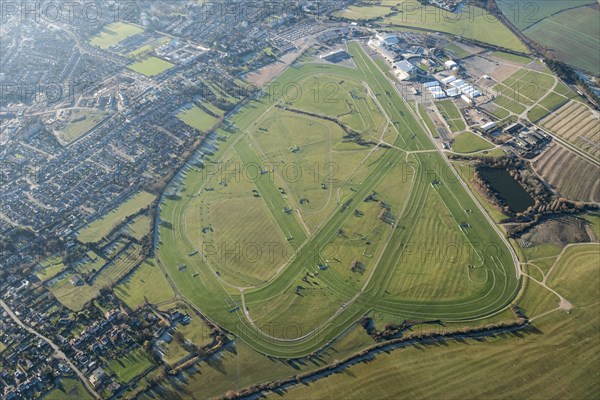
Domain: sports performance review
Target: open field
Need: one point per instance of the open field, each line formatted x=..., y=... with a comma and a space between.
x=114, y=33
x=196, y=118
x=571, y=175
x=148, y=283
x=140, y=227
x=472, y=22
x=525, y=14
x=511, y=57
x=458, y=51
x=569, y=28
x=468, y=142
x=570, y=35
x=353, y=259
x=151, y=66
x=130, y=366
x=69, y=388
x=79, y=123
x=576, y=123
x=97, y=230
x=72, y=297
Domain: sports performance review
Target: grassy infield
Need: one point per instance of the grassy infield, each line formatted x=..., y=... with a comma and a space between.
x=402, y=285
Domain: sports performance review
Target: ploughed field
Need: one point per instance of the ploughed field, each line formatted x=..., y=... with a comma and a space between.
x=323, y=200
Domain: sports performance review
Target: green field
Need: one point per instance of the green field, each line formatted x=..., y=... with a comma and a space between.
x=561, y=345
x=97, y=230
x=79, y=123
x=114, y=33
x=148, y=283
x=457, y=50
x=568, y=28
x=471, y=23
x=151, y=66
x=452, y=115
x=67, y=389
x=140, y=227
x=350, y=256
x=128, y=367
x=196, y=118
x=524, y=14
x=511, y=57
x=50, y=268
x=468, y=142
x=528, y=88
x=76, y=297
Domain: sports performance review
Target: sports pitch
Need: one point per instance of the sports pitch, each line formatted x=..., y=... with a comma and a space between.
x=299, y=225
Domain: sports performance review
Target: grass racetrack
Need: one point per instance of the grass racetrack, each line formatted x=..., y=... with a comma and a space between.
x=388, y=226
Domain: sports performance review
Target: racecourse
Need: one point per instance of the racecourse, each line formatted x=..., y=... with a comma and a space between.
x=392, y=230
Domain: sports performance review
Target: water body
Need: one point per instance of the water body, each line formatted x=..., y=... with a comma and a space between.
x=510, y=191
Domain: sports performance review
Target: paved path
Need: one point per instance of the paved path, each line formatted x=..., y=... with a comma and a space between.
x=59, y=353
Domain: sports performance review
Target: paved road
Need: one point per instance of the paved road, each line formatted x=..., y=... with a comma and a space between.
x=59, y=353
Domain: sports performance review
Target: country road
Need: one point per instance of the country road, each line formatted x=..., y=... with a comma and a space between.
x=59, y=353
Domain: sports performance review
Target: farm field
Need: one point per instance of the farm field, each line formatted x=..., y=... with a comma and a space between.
x=347, y=260
x=576, y=178
x=569, y=28
x=576, y=123
x=97, y=230
x=114, y=33
x=151, y=66
x=569, y=35
x=148, y=283
x=472, y=22
x=526, y=14
x=468, y=142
